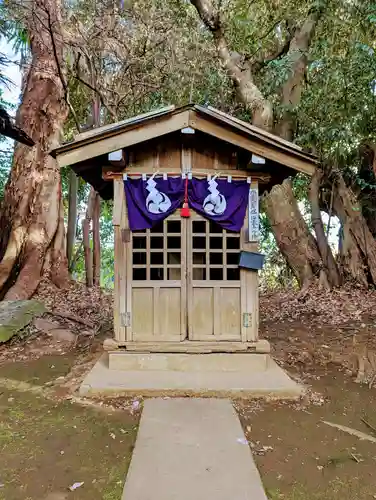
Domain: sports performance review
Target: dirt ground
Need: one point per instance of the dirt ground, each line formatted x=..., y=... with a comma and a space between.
x=47, y=446
x=49, y=440
x=301, y=458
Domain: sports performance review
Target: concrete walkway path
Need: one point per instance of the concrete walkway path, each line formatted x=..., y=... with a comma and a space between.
x=191, y=449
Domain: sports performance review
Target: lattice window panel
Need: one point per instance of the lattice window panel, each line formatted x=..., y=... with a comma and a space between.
x=156, y=254
x=215, y=252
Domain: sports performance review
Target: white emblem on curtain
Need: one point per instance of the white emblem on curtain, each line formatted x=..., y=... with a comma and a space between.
x=215, y=203
x=156, y=202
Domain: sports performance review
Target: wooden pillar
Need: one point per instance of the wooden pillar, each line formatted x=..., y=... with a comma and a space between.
x=96, y=241
x=250, y=280
x=120, y=223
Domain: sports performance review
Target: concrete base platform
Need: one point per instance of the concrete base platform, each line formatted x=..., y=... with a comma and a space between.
x=186, y=363
x=191, y=449
x=223, y=375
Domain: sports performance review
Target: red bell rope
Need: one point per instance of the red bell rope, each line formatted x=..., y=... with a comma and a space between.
x=185, y=211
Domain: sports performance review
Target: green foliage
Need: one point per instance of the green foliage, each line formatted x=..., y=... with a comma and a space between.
x=168, y=57
x=13, y=32
x=107, y=243
x=153, y=53
x=5, y=165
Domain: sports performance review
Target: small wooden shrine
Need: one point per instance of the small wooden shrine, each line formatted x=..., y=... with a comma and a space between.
x=186, y=269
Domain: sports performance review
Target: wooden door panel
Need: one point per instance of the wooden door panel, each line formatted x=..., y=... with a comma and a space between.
x=213, y=280
x=229, y=311
x=169, y=316
x=186, y=283
x=201, y=319
x=158, y=286
x=142, y=314
x=158, y=314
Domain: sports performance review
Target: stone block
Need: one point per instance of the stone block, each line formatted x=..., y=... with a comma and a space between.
x=63, y=335
x=16, y=315
x=45, y=325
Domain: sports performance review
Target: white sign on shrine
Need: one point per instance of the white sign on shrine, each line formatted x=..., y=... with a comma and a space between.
x=253, y=215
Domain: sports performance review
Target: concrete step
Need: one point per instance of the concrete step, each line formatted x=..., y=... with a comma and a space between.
x=253, y=378
x=188, y=362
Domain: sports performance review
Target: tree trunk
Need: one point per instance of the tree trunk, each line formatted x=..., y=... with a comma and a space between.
x=359, y=246
x=88, y=251
x=72, y=215
x=367, y=175
x=297, y=56
x=320, y=263
x=96, y=241
x=329, y=262
x=249, y=93
x=31, y=220
x=350, y=258
x=292, y=235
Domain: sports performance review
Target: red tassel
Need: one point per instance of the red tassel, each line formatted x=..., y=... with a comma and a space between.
x=185, y=210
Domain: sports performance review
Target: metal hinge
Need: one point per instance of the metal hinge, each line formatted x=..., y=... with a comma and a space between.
x=125, y=319
x=125, y=235
x=247, y=320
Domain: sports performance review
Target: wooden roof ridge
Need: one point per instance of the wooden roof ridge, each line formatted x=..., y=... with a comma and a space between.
x=113, y=126
x=206, y=110
x=257, y=132
x=255, y=129
x=163, y=121
x=99, y=133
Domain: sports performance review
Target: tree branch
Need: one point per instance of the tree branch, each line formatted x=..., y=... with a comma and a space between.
x=99, y=94
x=249, y=93
x=298, y=55
x=263, y=59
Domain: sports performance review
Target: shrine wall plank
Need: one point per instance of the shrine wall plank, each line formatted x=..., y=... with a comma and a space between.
x=121, y=255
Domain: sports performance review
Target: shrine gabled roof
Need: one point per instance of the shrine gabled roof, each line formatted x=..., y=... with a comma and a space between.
x=141, y=128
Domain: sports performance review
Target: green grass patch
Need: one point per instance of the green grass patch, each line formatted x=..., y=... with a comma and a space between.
x=47, y=446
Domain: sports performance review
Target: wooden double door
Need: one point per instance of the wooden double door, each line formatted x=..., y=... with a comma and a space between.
x=185, y=282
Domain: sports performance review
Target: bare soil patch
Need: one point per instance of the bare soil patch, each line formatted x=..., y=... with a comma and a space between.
x=301, y=458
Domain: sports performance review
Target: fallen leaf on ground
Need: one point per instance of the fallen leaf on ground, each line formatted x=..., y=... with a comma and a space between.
x=242, y=440
x=75, y=486
x=135, y=405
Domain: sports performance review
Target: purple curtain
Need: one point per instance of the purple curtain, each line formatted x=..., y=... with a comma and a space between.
x=221, y=201
x=151, y=201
